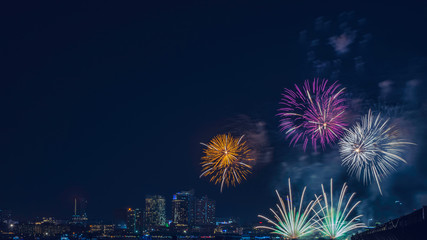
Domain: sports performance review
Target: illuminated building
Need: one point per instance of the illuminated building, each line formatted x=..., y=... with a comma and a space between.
x=204, y=211
x=80, y=215
x=49, y=220
x=41, y=229
x=47, y=229
x=183, y=209
x=134, y=220
x=228, y=226
x=103, y=229
x=155, y=213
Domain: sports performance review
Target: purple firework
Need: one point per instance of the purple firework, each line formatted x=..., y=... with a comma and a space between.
x=314, y=113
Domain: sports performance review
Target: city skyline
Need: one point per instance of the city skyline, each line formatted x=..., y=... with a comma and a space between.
x=81, y=213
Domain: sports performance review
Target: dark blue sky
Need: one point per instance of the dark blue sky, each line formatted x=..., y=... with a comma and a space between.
x=110, y=100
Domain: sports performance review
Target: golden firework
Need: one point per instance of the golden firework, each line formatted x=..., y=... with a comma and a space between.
x=226, y=160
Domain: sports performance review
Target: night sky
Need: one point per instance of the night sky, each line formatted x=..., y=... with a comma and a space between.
x=109, y=101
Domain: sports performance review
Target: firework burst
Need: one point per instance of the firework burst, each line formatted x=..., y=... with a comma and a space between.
x=226, y=160
x=371, y=149
x=291, y=223
x=332, y=219
x=315, y=113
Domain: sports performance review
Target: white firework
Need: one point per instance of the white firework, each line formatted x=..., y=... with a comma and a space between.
x=371, y=149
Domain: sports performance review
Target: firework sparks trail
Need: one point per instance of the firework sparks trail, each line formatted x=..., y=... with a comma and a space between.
x=371, y=149
x=226, y=160
x=332, y=219
x=314, y=113
x=290, y=222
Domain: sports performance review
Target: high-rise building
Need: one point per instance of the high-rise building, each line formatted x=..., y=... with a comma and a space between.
x=204, y=211
x=134, y=220
x=80, y=214
x=155, y=213
x=183, y=209
x=139, y=216
x=130, y=220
